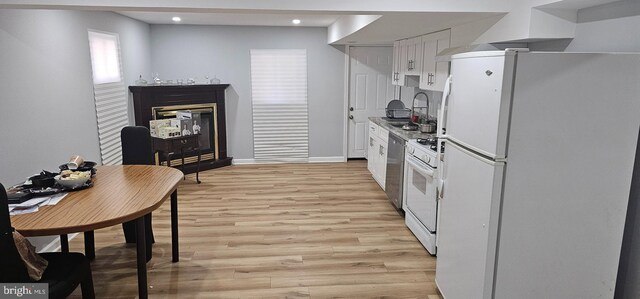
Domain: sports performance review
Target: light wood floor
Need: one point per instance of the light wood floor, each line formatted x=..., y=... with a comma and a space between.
x=274, y=231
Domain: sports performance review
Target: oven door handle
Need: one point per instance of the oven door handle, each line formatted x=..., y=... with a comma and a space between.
x=419, y=166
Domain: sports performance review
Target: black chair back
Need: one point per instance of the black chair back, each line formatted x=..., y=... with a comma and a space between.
x=136, y=146
x=13, y=269
x=136, y=150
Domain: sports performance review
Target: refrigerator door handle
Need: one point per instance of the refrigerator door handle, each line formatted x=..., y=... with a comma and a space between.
x=443, y=106
x=440, y=189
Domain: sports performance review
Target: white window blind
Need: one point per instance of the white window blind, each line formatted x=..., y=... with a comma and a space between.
x=279, y=98
x=109, y=93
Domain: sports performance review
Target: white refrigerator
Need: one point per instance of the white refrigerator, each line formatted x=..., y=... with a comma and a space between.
x=540, y=150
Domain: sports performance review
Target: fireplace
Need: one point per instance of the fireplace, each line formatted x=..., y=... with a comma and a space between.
x=158, y=102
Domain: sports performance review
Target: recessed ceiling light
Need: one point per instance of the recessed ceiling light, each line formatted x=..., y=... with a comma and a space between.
x=176, y=19
x=295, y=21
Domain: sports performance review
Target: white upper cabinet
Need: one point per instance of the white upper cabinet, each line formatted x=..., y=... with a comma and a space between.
x=414, y=56
x=417, y=57
x=399, y=55
x=434, y=73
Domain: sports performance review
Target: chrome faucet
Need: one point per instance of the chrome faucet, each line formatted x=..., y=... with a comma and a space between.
x=413, y=104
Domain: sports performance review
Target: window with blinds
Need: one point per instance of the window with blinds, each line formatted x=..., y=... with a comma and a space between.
x=279, y=100
x=109, y=93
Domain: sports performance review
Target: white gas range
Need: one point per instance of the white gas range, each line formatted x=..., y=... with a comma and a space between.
x=420, y=197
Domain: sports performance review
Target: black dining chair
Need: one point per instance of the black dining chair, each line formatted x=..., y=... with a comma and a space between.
x=63, y=274
x=136, y=150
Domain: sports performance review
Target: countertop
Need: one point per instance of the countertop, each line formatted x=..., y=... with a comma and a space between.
x=406, y=135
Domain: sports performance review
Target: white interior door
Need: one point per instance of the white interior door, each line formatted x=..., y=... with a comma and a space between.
x=370, y=90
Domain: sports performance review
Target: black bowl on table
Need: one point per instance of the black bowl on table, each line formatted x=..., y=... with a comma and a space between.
x=43, y=180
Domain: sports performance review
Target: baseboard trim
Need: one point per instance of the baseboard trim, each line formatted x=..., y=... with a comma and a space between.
x=336, y=159
x=54, y=245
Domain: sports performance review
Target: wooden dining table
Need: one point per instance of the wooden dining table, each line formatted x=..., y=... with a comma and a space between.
x=120, y=193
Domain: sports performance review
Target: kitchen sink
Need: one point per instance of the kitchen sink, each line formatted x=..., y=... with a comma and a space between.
x=397, y=124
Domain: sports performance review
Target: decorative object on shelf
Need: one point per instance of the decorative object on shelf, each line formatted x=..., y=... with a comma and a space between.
x=156, y=125
x=141, y=82
x=191, y=81
x=214, y=80
x=168, y=132
x=156, y=78
x=194, y=117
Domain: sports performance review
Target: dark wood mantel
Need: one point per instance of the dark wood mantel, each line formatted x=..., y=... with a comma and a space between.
x=147, y=97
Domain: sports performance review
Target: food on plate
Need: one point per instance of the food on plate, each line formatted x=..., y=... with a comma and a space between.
x=74, y=175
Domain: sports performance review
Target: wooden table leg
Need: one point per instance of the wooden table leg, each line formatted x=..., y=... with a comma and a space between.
x=184, y=177
x=89, y=245
x=64, y=243
x=174, y=227
x=198, y=166
x=141, y=258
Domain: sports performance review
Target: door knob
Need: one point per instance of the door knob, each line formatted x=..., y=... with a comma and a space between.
x=350, y=116
x=350, y=108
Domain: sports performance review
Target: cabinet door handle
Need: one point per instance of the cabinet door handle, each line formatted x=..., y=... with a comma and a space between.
x=370, y=141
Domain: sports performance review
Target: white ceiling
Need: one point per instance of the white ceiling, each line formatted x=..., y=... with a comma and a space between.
x=395, y=26
x=399, y=18
x=241, y=19
x=391, y=26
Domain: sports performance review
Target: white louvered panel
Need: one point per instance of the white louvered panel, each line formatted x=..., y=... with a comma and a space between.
x=110, y=98
x=279, y=101
x=112, y=116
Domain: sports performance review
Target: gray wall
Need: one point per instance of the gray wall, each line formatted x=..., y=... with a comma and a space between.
x=47, y=110
x=614, y=27
x=195, y=51
x=611, y=27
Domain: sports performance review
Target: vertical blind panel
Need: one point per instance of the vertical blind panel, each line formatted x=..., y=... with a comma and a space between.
x=279, y=100
x=110, y=95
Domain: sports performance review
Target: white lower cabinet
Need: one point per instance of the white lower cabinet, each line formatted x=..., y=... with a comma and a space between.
x=372, y=155
x=377, y=153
